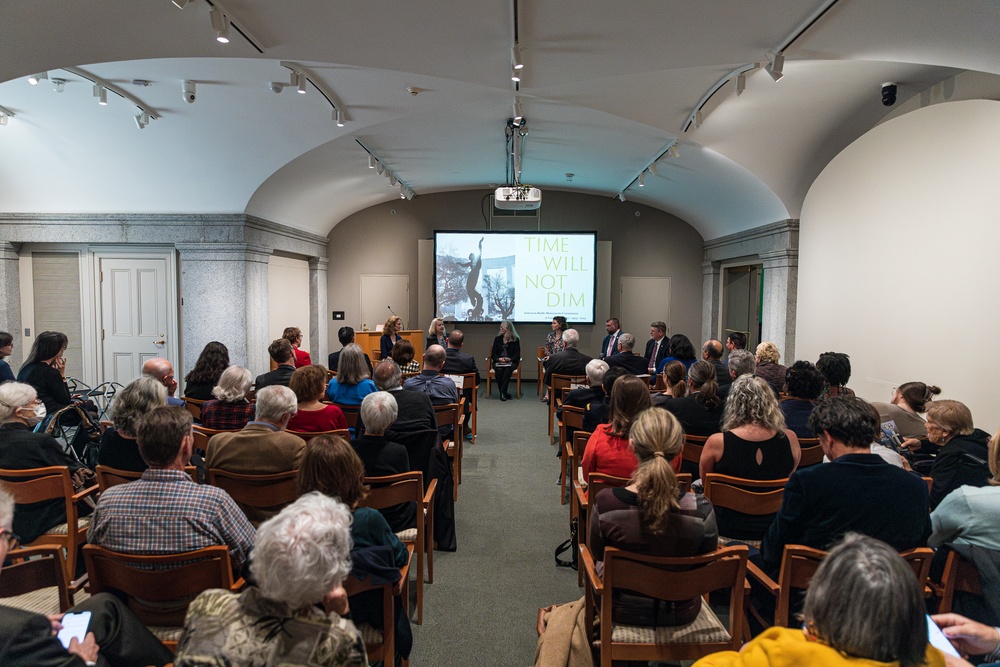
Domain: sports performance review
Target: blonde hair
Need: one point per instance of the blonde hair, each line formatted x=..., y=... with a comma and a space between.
x=751, y=401
x=390, y=328
x=768, y=353
x=656, y=438
x=674, y=375
x=432, y=330
x=952, y=416
x=510, y=333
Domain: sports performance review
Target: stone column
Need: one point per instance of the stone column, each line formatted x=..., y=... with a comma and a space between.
x=319, y=315
x=710, y=294
x=10, y=300
x=781, y=277
x=224, y=297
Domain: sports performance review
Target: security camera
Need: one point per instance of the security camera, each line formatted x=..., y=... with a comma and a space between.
x=888, y=94
x=187, y=92
x=276, y=86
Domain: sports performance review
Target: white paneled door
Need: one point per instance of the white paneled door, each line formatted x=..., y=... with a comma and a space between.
x=135, y=315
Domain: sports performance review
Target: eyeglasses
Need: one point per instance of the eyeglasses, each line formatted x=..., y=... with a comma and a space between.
x=12, y=539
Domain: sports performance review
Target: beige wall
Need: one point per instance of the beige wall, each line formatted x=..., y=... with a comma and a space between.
x=288, y=297
x=897, y=249
x=385, y=238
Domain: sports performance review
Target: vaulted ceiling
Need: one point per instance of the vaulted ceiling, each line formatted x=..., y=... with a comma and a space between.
x=606, y=89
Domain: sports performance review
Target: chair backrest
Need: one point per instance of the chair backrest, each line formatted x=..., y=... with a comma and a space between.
x=35, y=568
x=693, y=444
x=377, y=651
x=748, y=496
x=350, y=413
x=599, y=481
x=259, y=491
x=158, y=589
x=449, y=414
x=35, y=485
x=307, y=435
x=560, y=381
x=572, y=417
x=960, y=576
x=684, y=481
x=194, y=406
x=202, y=435
x=812, y=453
x=392, y=490
x=108, y=476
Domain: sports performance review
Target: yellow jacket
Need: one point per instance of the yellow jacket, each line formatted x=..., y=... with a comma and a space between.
x=786, y=647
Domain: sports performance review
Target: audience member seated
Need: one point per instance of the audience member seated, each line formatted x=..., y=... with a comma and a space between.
x=346, y=336
x=21, y=449
x=554, y=344
x=968, y=515
x=679, y=349
x=626, y=358
x=593, y=392
x=657, y=347
x=736, y=340
x=962, y=454
x=438, y=388
x=459, y=363
x=118, y=446
x=165, y=511
x=858, y=491
x=651, y=516
x=571, y=361
x=230, y=410
x=390, y=335
x=263, y=447
x=309, y=386
x=6, y=349
x=908, y=401
x=674, y=377
x=114, y=635
x=436, y=335
x=740, y=363
x=608, y=451
x=754, y=444
x=353, y=381
x=970, y=638
x=163, y=371
x=711, y=352
x=836, y=368
x=45, y=370
x=598, y=412
x=700, y=410
x=294, y=614
x=294, y=336
x=382, y=458
x=331, y=467
x=213, y=360
x=415, y=411
x=805, y=384
x=281, y=354
x=863, y=608
x=768, y=367
x=505, y=355
x=402, y=354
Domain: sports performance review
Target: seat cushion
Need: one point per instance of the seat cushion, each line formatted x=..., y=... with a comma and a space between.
x=705, y=629
x=728, y=541
x=168, y=633
x=408, y=535
x=82, y=524
x=44, y=601
x=370, y=634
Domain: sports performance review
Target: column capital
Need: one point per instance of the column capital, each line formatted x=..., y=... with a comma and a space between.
x=9, y=250
x=787, y=257
x=708, y=268
x=223, y=252
x=319, y=263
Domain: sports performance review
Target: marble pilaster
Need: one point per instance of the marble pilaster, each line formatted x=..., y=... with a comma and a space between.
x=781, y=276
x=711, y=284
x=10, y=299
x=319, y=315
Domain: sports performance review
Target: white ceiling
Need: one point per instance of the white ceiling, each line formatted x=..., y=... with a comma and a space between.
x=607, y=87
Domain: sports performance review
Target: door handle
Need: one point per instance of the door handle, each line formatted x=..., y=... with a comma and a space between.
x=159, y=342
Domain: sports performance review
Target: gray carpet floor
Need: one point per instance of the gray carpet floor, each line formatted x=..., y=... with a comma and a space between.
x=482, y=607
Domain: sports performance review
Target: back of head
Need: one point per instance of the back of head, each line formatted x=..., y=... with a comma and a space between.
x=571, y=338
x=345, y=335
x=952, y=416
x=308, y=383
x=14, y=395
x=6, y=339
x=234, y=383
x=847, y=419
x=157, y=367
x=596, y=369
x=768, y=353
x=681, y=347
x=611, y=376
x=160, y=434
x=292, y=334
x=331, y=466
x=752, y=401
x=804, y=381
x=705, y=381
x=47, y=344
x=835, y=367
x=629, y=397
x=304, y=552
x=212, y=361
x=456, y=338
x=712, y=349
x=865, y=602
x=280, y=350
x=627, y=342
x=434, y=357
x=738, y=340
x=742, y=362
x=402, y=352
x=274, y=402
x=675, y=374
x=351, y=366
x=387, y=375
x=917, y=394
x=656, y=439
x=378, y=411
x=133, y=402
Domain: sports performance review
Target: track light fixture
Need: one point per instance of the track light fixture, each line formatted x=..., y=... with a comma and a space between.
x=652, y=170
x=101, y=93
x=371, y=161
x=515, y=75
x=405, y=192
x=59, y=85
x=699, y=118
x=35, y=78
x=392, y=179
x=518, y=113
x=642, y=180
x=515, y=57
x=621, y=197
x=300, y=82
x=673, y=150
x=339, y=117
x=776, y=66
x=741, y=83
x=3, y=119
x=181, y=4
x=380, y=168
x=220, y=24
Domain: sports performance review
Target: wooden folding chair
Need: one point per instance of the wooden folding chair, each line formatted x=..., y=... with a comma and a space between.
x=404, y=488
x=158, y=589
x=259, y=496
x=380, y=645
x=37, y=485
x=491, y=375
x=541, y=369
x=350, y=413
x=559, y=382
x=691, y=454
x=470, y=385
x=451, y=413
x=749, y=496
x=812, y=453
x=194, y=406
x=959, y=576
x=594, y=485
x=35, y=581
x=202, y=435
x=309, y=435
x=672, y=579
x=572, y=421
x=108, y=476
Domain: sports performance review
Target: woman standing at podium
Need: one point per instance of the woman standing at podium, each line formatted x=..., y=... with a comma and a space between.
x=390, y=335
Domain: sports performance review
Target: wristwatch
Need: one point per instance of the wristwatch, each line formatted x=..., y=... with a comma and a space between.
x=90, y=663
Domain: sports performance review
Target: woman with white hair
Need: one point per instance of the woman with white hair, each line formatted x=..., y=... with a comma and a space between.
x=382, y=457
x=294, y=614
x=21, y=449
x=119, y=448
x=230, y=409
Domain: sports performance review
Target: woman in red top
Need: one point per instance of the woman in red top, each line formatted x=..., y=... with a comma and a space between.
x=608, y=451
x=294, y=336
x=309, y=385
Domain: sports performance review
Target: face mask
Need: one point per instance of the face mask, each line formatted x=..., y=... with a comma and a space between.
x=38, y=414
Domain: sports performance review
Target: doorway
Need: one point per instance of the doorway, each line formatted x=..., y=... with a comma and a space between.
x=741, y=302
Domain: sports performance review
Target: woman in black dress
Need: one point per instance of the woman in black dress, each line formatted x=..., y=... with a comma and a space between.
x=505, y=356
x=45, y=370
x=206, y=372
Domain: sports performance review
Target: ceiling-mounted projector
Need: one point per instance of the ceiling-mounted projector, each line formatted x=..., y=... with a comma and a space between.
x=517, y=198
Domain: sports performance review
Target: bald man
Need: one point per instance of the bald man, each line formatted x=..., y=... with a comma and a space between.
x=162, y=371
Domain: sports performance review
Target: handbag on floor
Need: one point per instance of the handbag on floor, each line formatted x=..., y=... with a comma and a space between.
x=572, y=544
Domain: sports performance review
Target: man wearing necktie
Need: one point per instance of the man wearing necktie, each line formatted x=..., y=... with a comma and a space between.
x=610, y=344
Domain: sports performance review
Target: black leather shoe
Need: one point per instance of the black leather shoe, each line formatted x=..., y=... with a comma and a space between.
x=503, y=397
x=510, y=397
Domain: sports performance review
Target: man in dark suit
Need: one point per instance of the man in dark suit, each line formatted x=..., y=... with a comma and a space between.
x=415, y=412
x=114, y=635
x=656, y=346
x=610, y=344
x=281, y=351
x=711, y=352
x=346, y=336
x=858, y=491
x=459, y=363
x=626, y=359
x=570, y=361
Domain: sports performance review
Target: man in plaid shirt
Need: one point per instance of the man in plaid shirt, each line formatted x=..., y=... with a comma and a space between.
x=165, y=512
